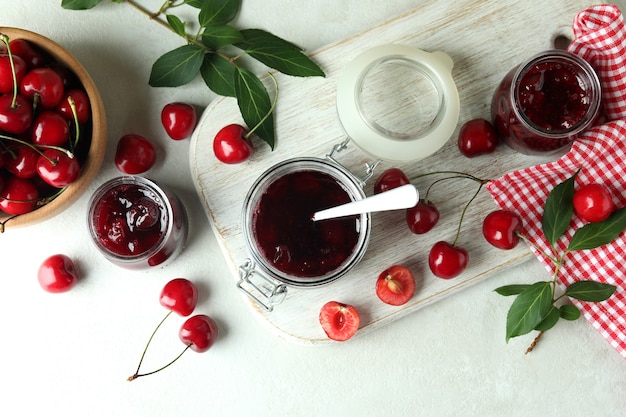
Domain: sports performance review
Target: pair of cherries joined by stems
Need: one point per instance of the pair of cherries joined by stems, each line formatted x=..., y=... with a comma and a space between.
x=198, y=332
x=446, y=260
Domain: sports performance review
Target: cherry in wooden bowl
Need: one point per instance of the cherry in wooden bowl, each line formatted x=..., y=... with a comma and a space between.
x=93, y=133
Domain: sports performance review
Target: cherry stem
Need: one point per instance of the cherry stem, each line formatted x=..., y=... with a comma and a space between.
x=457, y=173
x=37, y=148
x=5, y=40
x=143, y=355
x=137, y=374
x=458, y=230
x=534, y=343
x=72, y=104
x=271, y=110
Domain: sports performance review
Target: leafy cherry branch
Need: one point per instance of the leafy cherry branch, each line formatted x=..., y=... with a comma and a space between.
x=208, y=53
x=535, y=305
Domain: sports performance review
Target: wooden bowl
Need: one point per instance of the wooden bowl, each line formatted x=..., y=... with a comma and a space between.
x=95, y=155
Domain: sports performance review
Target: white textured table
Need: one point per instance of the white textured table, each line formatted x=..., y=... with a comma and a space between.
x=69, y=354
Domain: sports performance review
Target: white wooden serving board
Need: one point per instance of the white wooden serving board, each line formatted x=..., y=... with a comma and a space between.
x=485, y=39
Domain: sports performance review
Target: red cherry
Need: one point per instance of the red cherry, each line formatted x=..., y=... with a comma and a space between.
x=198, y=332
x=231, y=145
x=135, y=154
x=179, y=120
x=179, y=295
x=58, y=168
x=50, y=129
x=339, y=321
x=15, y=119
x=81, y=103
x=477, y=137
x=21, y=161
x=396, y=285
x=29, y=53
x=18, y=196
x=422, y=217
x=447, y=261
x=57, y=274
x=593, y=202
x=389, y=179
x=6, y=72
x=44, y=83
x=501, y=228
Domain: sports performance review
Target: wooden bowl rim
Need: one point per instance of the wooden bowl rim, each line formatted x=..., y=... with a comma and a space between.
x=97, y=148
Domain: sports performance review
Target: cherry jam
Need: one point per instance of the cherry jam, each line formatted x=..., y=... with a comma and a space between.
x=289, y=239
x=281, y=235
x=541, y=106
x=135, y=223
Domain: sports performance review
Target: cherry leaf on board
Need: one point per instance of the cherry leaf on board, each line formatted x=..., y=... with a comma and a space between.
x=254, y=104
x=558, y=210
x=177, y=67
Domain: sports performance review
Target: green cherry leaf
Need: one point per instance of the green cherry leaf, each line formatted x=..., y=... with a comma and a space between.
x=558, y=210
x=218, y=12
x=591, y=291
x=512, y=289
x=278, y=54
x=79, y=4
x=550, y=320
x=220, y=36
x=528, y=309
x=177, y=67
x=569, y=312
x=254, y=104
x=218, y=74
x=594, y=235
x=176, y=24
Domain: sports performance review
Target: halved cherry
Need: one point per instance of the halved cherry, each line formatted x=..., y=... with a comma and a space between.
x=339, y=321
x=396, y=285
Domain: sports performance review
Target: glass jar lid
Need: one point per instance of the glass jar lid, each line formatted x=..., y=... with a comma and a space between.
x=398, y=103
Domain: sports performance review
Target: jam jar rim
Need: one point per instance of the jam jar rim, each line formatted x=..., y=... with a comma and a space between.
x=295, y=165
x=595, y=88
x=131, y=179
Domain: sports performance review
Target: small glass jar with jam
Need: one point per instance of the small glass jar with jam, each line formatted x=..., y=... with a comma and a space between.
x=542, y=105
x=287, y=246
x=136, y=223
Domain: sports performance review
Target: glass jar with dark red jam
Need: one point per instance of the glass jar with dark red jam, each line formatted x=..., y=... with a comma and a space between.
x=542, y=105
x=285, y=244
x=136, y=223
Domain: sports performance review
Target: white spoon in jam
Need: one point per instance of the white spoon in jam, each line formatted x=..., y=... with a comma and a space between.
x=398, y=198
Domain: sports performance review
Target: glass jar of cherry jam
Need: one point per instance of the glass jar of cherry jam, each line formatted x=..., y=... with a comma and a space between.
x=284, y=242
x=136, y=223
x=542, y=105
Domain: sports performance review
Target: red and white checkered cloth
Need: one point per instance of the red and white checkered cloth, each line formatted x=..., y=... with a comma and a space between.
x=600, y=153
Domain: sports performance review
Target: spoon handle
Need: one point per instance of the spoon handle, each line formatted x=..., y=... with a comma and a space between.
x=398, y=198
